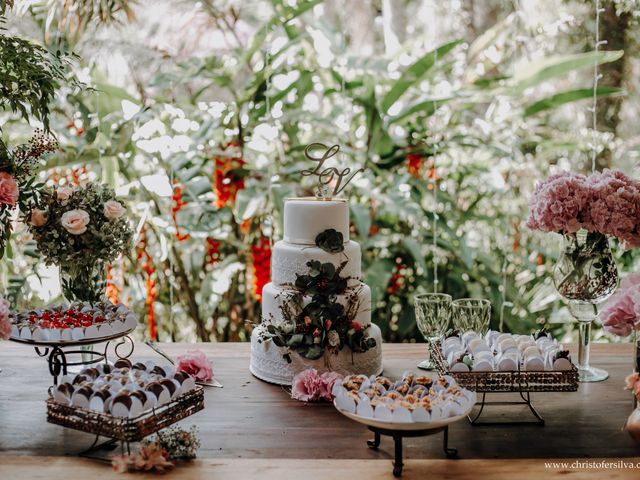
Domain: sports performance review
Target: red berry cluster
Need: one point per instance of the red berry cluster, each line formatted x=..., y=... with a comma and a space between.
x=397, y=280
x=150, y=282
x=39, y=144
x=178, y=204
x=226, y=182
x=261, y=264
x=213, y=251
x=70, y=318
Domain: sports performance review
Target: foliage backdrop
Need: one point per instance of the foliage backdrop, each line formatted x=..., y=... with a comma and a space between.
x=198, y=113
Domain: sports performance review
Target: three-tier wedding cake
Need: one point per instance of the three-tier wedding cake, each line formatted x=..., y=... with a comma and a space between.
x=316, y=312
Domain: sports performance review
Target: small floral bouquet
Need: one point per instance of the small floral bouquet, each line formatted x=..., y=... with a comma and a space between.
x=77, y=226
x=606, y=202
x=159, y=454
x=621, y=314
x=18, y=187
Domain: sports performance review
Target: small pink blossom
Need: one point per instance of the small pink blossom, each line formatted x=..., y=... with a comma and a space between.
x=38, y=217
x=64, y=193
x=328, y=379
x=150, y=458
x=113, y=209
x=631, y=381
x=196, y=364
x=5, y=321
x=9, y=191
x=306, y=386
x=621, y=314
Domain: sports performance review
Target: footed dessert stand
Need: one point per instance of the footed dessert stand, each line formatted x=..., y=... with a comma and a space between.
x=399, y=435
x=58, y=353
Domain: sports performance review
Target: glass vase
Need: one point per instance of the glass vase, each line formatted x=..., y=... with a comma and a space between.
x=585, y=275
x=84, y=283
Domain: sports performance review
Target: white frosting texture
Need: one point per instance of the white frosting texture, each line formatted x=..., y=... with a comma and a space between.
x=305, y=218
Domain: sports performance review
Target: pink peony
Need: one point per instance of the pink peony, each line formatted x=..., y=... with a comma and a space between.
x=9, y=191
x=307, y=386
x=621, y=314
x=196, y=364
x=5, y=321
x=558, y=203
x=328, y=379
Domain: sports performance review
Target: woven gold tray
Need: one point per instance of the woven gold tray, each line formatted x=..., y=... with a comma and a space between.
x=514, y=381
x=126, y=429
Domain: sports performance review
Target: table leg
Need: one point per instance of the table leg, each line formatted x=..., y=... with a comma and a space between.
x=397, y=464
x=449, y=452
x=375, y=443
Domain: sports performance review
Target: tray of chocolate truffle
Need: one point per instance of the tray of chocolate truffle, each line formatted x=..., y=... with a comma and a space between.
x=124, y=401
x=414, y=402
x=504, y=362
x=78, y=323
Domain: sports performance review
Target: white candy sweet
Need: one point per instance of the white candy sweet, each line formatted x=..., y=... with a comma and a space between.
x=459, y=367
x=39, y=335
x=533, y=364
x=382, y=413
x=131, y=321
x=487, y=355
x=482, y=365
x=105, y=330
x=507, y=363
x=91, y=332
x=15, y=333
x=364, y=408
x=54, y=335
x=77, y=333
x=66, y=335
x=401, y=415
x=532, y=351
x=420, y=415
x=562, y=364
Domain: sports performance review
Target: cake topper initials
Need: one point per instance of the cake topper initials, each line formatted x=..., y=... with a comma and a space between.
x=328, y=177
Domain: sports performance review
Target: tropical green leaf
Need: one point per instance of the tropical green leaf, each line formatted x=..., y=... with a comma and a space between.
x=568, y=96
x=548, y=68
x=415, y=73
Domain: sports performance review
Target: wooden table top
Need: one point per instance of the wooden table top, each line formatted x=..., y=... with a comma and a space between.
x=249, y=424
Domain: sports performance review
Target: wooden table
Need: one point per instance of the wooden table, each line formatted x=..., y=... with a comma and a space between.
x=251, y=429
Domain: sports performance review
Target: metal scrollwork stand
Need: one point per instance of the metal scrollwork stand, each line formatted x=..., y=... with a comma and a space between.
x=57, y=354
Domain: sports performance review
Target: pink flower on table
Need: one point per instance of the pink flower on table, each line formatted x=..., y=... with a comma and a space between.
x=328, y=379
x=9, y=191
x=632, y=381
x=121, y=463
x=196, y=364
x=621, y=314
x=558, y=203
x=152, y=458
x=307, y=386
x=75, y=221
x=5, y=321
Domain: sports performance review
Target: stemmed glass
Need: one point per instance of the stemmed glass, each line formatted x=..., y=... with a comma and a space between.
x=471, y=314
x=433, y=311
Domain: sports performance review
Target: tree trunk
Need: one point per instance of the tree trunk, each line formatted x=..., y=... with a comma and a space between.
x=614, y=29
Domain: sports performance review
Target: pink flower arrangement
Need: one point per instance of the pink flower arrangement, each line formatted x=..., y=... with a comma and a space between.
x=9, y=191
x=310, y=386
x=632, y=383
x=196, y=364
x=621, y=314
x=606, y=202
x=5, y=321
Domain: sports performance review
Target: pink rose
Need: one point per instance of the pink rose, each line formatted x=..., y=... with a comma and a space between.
x=9, y=190
x=328, y=379
x=64, y=193
x=113, y=209
x=196, y=364
x=5, y=321
x=631, y=381
x=307, y=386
x=75, y=221
x=38, y=217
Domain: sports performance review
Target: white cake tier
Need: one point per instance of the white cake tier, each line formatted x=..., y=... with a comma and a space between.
x=268, y=364
x=305, y=218
x=289, y=260
x=356, y=300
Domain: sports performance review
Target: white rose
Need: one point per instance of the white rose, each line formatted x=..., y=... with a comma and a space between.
x=333, y=338
x=75, y=221
x=113, y=209
x=38, y=217
x=64, y=193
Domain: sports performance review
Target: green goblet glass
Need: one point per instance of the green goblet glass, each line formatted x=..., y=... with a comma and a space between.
x=471, y=314
x=433, y=311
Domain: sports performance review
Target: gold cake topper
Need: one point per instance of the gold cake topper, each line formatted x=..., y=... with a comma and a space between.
x=327, y=176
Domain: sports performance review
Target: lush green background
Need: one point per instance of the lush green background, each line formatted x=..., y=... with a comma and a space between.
x=480, y=99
